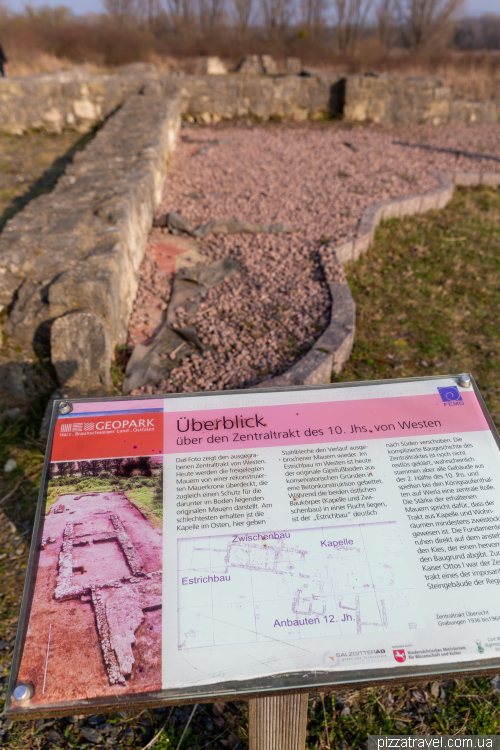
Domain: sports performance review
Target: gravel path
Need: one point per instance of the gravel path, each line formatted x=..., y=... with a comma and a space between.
x=317, y=179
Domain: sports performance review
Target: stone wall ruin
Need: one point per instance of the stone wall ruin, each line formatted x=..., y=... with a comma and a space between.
x=77, y=100
x=69, y=261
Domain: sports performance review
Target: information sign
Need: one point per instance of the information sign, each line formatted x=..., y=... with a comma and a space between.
x=239, y=543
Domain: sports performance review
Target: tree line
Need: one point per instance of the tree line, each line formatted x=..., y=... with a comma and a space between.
x=412, y=24
x=354, y=33
x=118, y=467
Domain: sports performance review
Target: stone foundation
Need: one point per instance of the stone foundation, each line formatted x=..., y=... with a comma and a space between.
x=410, y=99
x=67, y=100
x=208, y=98
x=76, y=100
x=69, y=261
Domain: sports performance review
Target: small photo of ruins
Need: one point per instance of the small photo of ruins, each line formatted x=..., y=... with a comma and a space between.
x=95, y=622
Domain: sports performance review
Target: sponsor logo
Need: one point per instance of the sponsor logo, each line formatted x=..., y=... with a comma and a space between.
x=399, y=654
x=374, y=653
x=450, y=394
x=480, y=648
x=329, y=659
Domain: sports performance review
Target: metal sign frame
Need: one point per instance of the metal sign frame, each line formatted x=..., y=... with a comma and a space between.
x=283, y=683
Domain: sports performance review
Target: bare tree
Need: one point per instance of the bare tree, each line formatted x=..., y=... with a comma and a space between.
x=350, y=20
x=107, y=464
x=149, y=10
x=123, y=11
x=277, y=16
x=386, y=21
x=85, y=468
x=210, y=13
x=62, y=468
x=180, y=13
x=312, y=12
x=490, y=25
x=423, y=22
x=242, y=11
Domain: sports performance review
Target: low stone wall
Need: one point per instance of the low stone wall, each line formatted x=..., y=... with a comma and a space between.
x=410, y=99
x=76, y=100
x=69, y=261
x=72, y=99
x=370, y=98
x=470, y=113
x=208, y=98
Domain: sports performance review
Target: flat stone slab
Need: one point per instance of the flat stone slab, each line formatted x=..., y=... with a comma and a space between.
x=170, y=255
x=177, y=337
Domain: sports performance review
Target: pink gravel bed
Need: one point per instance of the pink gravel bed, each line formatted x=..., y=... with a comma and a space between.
x=259, y=322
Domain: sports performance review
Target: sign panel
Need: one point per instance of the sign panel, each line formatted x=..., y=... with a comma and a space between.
x=235, y=543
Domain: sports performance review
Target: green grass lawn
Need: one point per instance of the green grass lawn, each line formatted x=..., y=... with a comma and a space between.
x=428, y=296
x=428, y=301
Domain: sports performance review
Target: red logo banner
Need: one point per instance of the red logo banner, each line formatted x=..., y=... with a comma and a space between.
x=110, y=436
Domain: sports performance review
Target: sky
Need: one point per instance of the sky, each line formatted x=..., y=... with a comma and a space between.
x=473, y=7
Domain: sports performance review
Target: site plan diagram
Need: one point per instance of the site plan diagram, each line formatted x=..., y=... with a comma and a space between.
x=294, y=584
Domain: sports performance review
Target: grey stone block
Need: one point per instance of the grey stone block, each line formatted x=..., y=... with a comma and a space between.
x=372, y=216
x=396, y=99
x=390, y=209
x=467, y=179
x=410, y=206
x=430, y=200
x=210, y=66
x=445, y=194
x=293, y=66
x=345, y=251
x=81, y=352
x=255, y=65
x=22, y=381
x=362, y=243
x=491, y=179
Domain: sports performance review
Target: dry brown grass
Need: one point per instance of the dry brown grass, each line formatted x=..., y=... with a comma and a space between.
x=43, y=62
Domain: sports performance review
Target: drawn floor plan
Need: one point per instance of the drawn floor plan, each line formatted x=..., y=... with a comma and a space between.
x=295, y=584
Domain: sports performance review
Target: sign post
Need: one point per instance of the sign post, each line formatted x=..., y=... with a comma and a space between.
x=261, y=545
x=278, y=722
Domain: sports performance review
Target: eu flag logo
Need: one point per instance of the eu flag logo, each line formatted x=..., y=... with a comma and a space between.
x=450, y=393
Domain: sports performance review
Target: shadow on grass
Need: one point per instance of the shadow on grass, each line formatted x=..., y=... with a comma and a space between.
x=48, y=180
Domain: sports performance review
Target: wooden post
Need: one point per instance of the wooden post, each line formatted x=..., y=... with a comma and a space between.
x=278, y=722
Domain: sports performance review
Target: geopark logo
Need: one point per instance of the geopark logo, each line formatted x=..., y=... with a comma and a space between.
x=399, y=654
x=107, y=426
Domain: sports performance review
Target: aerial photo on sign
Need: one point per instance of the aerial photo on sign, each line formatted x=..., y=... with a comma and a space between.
x=98, y=587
